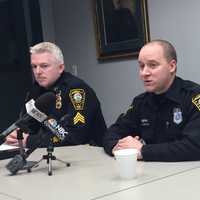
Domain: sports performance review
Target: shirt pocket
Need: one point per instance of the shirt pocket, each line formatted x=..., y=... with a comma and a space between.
x=173, y=132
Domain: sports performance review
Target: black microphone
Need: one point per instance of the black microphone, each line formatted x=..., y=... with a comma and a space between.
x=48, y=122
x=44, y=102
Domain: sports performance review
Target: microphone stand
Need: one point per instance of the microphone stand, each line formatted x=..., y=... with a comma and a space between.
x=19, y=162
x=20, y=142
x=49, y=157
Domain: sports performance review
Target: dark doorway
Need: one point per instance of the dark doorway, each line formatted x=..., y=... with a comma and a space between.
x=15, y=39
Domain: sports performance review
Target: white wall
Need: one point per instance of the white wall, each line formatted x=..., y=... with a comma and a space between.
x=178, y=22
x=116, y=83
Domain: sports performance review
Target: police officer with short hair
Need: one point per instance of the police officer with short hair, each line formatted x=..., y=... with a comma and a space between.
x=163, y=123
x=76, y=104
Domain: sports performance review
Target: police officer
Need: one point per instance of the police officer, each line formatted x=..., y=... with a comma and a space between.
x=163, y=123
x=76, y=103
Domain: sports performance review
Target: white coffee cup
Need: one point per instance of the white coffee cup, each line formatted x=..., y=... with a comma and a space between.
x=126, y=161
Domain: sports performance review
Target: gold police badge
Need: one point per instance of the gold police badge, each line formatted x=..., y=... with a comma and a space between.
x=77, y=97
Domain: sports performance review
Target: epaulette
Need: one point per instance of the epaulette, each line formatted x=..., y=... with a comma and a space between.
x=141, y=96
x=191, y=86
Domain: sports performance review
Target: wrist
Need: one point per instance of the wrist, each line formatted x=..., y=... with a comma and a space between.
x=25, y=140
x=139, y=155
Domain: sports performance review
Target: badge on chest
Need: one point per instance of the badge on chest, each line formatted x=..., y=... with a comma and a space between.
x=177, y=116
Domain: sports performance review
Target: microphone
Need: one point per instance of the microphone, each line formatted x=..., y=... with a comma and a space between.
x=44, y=102
x=47, y=122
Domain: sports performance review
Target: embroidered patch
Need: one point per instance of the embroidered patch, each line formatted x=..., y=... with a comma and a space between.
x=196, y=101
x=77, y=97
x=177, y=116
x=79, y=118
x=130, y=108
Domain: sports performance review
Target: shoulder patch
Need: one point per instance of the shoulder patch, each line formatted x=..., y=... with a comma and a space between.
x=130, y=108
x=196, y=101
x=77, y=97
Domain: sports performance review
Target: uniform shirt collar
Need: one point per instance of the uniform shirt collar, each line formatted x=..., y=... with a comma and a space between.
x=65, y=76
x=58, y=82
x=173, y=93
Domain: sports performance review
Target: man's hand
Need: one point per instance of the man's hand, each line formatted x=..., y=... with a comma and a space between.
x=129, y=142
x=11, y=139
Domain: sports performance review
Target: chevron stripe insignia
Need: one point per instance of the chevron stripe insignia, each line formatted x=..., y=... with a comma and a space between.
x=79, y=118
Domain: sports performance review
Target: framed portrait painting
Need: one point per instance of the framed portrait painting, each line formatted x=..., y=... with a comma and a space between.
x=121, y=27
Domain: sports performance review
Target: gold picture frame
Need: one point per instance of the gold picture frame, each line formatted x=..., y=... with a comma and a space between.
x=121, y=27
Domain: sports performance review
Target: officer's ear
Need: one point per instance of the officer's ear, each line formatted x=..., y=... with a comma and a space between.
x=61, y=68
x=172, y=65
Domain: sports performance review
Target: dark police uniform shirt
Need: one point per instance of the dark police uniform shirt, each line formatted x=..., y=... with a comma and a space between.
x=78, y=110
x=168, y=123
